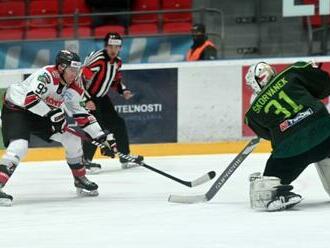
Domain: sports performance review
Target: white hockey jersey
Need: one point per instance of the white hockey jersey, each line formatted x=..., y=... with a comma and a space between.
x=42, y=91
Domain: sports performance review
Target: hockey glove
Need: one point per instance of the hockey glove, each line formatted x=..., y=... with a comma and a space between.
x=57, y=120
x=109, y=147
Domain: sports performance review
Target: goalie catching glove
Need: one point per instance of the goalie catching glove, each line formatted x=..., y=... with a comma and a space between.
x=109, y=146
x=57, y=120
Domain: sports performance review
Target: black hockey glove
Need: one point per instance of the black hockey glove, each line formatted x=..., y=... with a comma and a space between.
x=109, y=147
x=57, y=119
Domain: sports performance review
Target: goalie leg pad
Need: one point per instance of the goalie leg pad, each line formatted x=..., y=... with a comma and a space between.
x=323, y=169
x=268, y=193
x=262, y=190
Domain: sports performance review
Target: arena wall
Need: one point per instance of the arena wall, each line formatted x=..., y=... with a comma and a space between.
x=209, y=104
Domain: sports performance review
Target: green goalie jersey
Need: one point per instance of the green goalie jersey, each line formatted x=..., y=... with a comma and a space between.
x=288, y=110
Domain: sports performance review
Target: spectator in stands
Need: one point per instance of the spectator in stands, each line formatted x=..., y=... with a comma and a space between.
x=202, y=48
x=101, y=6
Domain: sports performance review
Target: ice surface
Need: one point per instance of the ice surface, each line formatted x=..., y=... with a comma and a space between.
x=132, y=209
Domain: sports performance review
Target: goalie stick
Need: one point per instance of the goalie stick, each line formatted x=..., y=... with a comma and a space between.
x=221, y=180
x=198, y=181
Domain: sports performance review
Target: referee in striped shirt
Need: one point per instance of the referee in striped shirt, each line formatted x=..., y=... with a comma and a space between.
x=101, y=72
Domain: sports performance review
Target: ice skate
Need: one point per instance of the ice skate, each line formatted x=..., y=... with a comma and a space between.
x=283, y=202
x=85, y=187
x=5, y=199
x=92, y=168
x=126, y=164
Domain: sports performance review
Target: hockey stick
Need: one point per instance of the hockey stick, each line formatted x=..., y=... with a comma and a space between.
x=203, y=179
x=221, y=180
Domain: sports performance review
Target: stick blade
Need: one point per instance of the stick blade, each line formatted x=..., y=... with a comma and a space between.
x=189, y=199
x=203, y=179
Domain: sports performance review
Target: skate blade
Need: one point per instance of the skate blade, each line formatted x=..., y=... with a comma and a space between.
x=6, y=202
x=278, y=205
x=126, y=166
x=292, y=203
x=93, y=171
x=84, y=193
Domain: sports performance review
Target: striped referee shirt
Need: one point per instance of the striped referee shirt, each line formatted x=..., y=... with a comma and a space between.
x=102, y=73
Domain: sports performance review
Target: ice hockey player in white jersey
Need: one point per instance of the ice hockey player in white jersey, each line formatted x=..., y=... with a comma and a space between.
x=38, y=106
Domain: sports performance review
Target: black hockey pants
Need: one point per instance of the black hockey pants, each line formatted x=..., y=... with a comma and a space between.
x=288, y=169
x=109, y=119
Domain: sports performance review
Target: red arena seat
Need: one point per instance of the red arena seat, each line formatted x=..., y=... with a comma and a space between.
x=12, y=9
x=177, y=22
x=101, y=31
x=11, y=34
x=41, y=33
x=12, y=29
x=144, y=23
x=69, y=8
x=68, y=32
x=42, y=28
x=43, y=8
x=73, y=6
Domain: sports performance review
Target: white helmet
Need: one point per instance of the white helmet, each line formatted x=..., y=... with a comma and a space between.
x=259, y=75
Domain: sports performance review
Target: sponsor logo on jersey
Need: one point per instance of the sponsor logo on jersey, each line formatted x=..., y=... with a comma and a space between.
x=44, y=78
x=53, y=102
x=68, y=96
x=290, y=122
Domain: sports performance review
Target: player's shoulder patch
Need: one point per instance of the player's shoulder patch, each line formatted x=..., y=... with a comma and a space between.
x=44, y=77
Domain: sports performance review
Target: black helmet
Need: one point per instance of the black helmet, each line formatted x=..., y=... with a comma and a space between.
x=198, y=28
x=67, y=58
x=113, y=38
